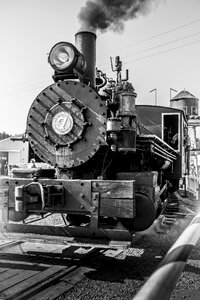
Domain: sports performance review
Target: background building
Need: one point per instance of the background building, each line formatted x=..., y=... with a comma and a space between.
x=190, y=104
x=12, y=153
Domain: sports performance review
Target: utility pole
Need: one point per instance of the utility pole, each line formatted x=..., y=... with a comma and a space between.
x=154, y=90
x=170, y=91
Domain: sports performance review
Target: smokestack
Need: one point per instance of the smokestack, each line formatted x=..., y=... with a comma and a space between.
x=85, y=42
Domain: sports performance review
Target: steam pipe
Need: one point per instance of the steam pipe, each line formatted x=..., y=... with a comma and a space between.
x=85, y=42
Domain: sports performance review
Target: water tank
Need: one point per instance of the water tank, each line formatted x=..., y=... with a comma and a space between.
x=187, y=102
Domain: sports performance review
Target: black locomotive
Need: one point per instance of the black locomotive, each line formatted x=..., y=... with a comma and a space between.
x=112, y=162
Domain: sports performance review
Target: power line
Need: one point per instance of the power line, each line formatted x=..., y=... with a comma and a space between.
x=164, y=44
x=161, y=45
x=22, y=91
x=10, y=93
x=161, y=52
x=155, y=36
x=24, y=85
x=158, y=53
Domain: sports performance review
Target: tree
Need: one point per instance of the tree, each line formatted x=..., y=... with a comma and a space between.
x=4, y=135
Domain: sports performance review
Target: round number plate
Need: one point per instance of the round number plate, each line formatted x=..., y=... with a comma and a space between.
x=62, y=123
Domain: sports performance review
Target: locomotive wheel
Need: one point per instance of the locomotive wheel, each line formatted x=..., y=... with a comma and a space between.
x=145, y=214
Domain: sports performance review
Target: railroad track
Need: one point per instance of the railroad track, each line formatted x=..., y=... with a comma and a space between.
x=45, y=271
x=32, y=270
x=178, y=208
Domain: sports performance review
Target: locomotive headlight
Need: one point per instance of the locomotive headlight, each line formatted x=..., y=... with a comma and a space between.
x=64, y=57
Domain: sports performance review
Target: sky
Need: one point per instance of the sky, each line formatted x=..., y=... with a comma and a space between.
x=161, y=49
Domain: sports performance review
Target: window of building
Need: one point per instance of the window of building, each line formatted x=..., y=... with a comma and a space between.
x=184, y=108
x=194, y=110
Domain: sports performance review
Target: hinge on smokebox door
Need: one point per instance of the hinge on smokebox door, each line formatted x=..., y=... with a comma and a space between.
x=94, y=210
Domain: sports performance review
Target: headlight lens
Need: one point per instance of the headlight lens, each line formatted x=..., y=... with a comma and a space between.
x=62, y=56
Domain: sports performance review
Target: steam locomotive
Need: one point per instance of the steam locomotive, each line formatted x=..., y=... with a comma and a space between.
x=108, y=161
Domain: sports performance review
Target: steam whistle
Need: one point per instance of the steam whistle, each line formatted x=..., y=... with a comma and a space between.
x=118, y=69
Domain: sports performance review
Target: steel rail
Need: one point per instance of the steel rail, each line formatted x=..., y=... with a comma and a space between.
x=161, y=283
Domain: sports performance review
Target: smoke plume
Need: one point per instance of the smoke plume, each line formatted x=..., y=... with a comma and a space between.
x=111, y=14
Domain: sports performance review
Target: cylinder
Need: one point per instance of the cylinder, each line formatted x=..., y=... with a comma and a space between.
x=85, y=42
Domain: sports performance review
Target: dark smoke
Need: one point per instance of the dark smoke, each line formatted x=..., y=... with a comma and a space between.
x=111, y=14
